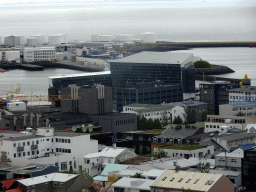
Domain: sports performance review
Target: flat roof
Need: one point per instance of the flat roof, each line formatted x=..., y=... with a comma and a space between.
x=152, y=57
x=58, y=177
x=134, y=183
x=68, y=134
x=24, y=138
x=237, y=136
x=81, y=75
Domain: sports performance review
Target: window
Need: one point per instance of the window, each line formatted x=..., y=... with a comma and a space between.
x=180, y=179
x=172, y=179
x=55, y=184
x=37, y=142
x=23, y=144
x=109, y=160
x=28, y=153
x=24, y=154
x=46, y=185
x=196, y=181
x=14, y=155
x=164, y=178
x=14, y=145
x=28, y=143
x=188, y=180
x=61, y=184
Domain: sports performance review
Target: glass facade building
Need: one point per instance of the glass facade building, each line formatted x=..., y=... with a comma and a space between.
x=148, y=93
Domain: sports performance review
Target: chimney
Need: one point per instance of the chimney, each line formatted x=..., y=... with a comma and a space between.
x=80, y=169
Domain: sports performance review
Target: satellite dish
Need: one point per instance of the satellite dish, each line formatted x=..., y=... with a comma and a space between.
x=74, y=128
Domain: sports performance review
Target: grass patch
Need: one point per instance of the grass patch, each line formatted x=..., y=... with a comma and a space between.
x=155, y=131
x=199, y=125
x=182, y=147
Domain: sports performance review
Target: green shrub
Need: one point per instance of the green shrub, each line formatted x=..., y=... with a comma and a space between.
x=202, y=64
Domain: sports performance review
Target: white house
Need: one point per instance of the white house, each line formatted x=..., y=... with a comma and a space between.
x=155, y=111
x=34, y=54
x=46, y=143
x=133, y=185
x=230, y=161
x=95, y=162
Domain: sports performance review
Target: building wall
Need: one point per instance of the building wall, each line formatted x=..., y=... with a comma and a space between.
x=39, y=54
x=241, y=96
x=222, y=185
x=232, y=163
x=116, y=123
x=248, y=110
x=185, y=153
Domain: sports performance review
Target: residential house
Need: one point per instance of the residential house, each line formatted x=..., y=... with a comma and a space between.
x=55, y=182
x=230, y=161
x=95, y=162
x=132, y=185
x=174, y=181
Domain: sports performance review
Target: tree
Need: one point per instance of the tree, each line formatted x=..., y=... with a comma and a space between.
x=202, y=64
x=189, y=116
x=157, y=124
x=164, y=118
x=204, y=116
x=177, y=120
x=150, y=124
x=240, y=114
x=144, y=122
x=203, y=168
x=160, y=153
x=139, y=126
x=140, y=150
x=137, y=175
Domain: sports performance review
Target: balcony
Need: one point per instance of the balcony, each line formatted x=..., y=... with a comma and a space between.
x=34, y=147
x=19, y=149
x=96, y=164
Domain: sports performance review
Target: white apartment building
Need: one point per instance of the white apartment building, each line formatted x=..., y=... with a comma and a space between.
x=46, y=143
x=219, y=122
x=95, y=162
x=246, y=108
x=155, y=111
x=242, y=94
x=37, y=54
x=231, y=161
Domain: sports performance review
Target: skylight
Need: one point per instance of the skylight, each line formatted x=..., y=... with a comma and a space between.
x=196, y=181
x=172, y=179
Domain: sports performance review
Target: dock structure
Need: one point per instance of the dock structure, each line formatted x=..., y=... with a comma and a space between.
x=31, y=67
x=78, y=66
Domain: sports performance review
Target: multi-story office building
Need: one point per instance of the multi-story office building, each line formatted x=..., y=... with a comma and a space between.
x=38, y=54
x=65, y=47
x=148, y=93
x=248, y=169
x=170, y=67
x=244, y=109
x=215, y=94
x=242, y=94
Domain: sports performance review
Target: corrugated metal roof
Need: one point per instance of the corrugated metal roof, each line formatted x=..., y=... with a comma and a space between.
x=113, y=167
x=186, y=180
x=107, y=152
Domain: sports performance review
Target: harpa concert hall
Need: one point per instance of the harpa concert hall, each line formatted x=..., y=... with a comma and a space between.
x=172, y=69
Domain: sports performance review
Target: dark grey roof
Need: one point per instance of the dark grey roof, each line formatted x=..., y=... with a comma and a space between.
x=237, y=136
x=204, y=135
x=209, y=142
x=68, y=134
x=174, y=132
x=24, y=138
x=189, y=103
